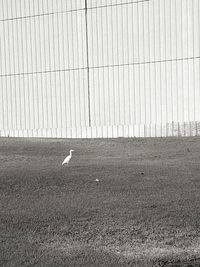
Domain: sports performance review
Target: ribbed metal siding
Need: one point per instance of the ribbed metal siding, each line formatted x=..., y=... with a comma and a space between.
x=146, y=57
x=43, y=80
x=144, y=68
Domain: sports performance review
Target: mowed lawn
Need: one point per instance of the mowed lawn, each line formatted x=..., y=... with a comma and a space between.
x=144, y=211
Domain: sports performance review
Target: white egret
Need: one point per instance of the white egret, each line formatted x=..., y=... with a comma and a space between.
x=67, y=159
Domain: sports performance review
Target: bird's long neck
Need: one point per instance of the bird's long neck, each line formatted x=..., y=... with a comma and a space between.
x=70, y=153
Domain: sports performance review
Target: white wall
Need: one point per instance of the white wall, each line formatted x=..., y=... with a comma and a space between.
x=144, y=60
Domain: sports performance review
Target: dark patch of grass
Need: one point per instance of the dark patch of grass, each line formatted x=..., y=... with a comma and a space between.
x=144, y=211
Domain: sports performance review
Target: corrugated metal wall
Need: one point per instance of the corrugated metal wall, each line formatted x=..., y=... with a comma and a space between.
x=99, y=68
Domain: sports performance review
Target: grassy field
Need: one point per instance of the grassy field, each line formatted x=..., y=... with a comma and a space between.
x=144, y=211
